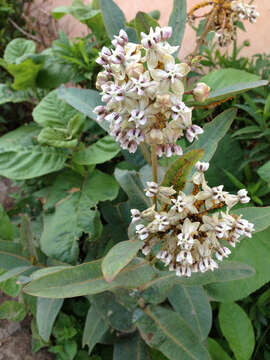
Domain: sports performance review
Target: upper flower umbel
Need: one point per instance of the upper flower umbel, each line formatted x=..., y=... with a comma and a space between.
x=142, y=88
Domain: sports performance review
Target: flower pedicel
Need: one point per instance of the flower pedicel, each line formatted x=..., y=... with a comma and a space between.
x=192, y=232
x=142, y=88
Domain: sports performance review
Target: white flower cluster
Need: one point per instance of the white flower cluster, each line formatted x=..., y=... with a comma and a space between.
x=244, y=11
x=239, y=11
x=190, y=230
x=143, y=88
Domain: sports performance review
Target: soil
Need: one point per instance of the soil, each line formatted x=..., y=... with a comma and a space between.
x=15, y=340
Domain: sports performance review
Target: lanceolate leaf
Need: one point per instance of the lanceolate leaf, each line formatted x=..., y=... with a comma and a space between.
x=178, y=172
x=192, y=303
x=254, y=252
x=226, y=83
x=47, y=311
x=27, y=162
x=11, y=256
x=216, y=351
x=113, y=17
x=118, y=257
x=168, y=332
x=143, y=23
x=213, y=133
x=156, y=290
x=131, y=183
x=15, y=272
x=264, y=171
x=259, y=216
x=94, y=328
x=114, y=314
x=178, y=22
x=87, y=279
x=131, y=348
x=237, y=329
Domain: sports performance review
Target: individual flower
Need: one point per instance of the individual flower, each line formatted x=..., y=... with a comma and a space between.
x=191, y=233
x=142, y=87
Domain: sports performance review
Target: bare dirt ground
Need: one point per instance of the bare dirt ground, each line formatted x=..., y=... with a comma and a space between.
x=15, y=340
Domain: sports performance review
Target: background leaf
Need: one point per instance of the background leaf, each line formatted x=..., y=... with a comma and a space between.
x=118, y=257
x=216, y=351
x=178, y=22
x=47, y=311
x=192, y=303
x=113, y=17
x=21, y=162
x=95, y=327
x=143, y=23
x=131, y=347
x=237, y=329
x=13, y=311
x=166, y=331
x=17, y=49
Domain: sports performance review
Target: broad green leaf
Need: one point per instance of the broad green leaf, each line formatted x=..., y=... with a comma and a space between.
x=168, y=332
x=254, y=252
x=74, y=215
x=118, y=257
x=15, y=272
x=11, y=256
x=56, y=138
x=47, y=311
x=192, y=303
x=87, y=279
x=6, y=227
x=156, y=291
x=223, y=161
x=23, y=135
x=259, y=216
x=178, y=172
x=49, y=270
x=226, y=83
x=216, y=351
x=24, y=73
x=264, y=171
x=131, y=348
x=82, y=100
x=143, y=23
x=53, y=112
x=103, y=150
x=84, y=13
x=95, y=327
x=9, y=95
x=54, y=73
x=17, y=49
x=213, y=133
x=12, y=310
x=113, y=313
x=178, y=22
x=237, y=329
x=132, y=185
x=113, y=17
x=27, y=162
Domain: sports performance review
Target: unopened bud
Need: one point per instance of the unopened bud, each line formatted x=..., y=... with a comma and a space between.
x=201, y=92
x=102, y=78
x=134, y=70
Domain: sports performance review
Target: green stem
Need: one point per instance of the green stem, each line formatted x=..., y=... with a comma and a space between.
x=154, y=169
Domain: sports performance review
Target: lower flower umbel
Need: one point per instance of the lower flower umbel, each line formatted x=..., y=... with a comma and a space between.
x=191, y=233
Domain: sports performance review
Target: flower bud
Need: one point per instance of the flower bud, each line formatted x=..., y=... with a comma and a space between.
x=135, y=70
x=154, y=137
x=102, y=78
x=201, y=92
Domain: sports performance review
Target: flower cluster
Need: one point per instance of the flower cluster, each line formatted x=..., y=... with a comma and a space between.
x=225, y=13
x=191, y=232
x=142, y=87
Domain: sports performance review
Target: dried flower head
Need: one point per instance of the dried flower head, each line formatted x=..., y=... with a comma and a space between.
x=225, y=14
x=142, y=87
x=191, y=231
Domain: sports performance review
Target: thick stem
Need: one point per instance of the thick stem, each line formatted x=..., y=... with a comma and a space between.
x=154, y=169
